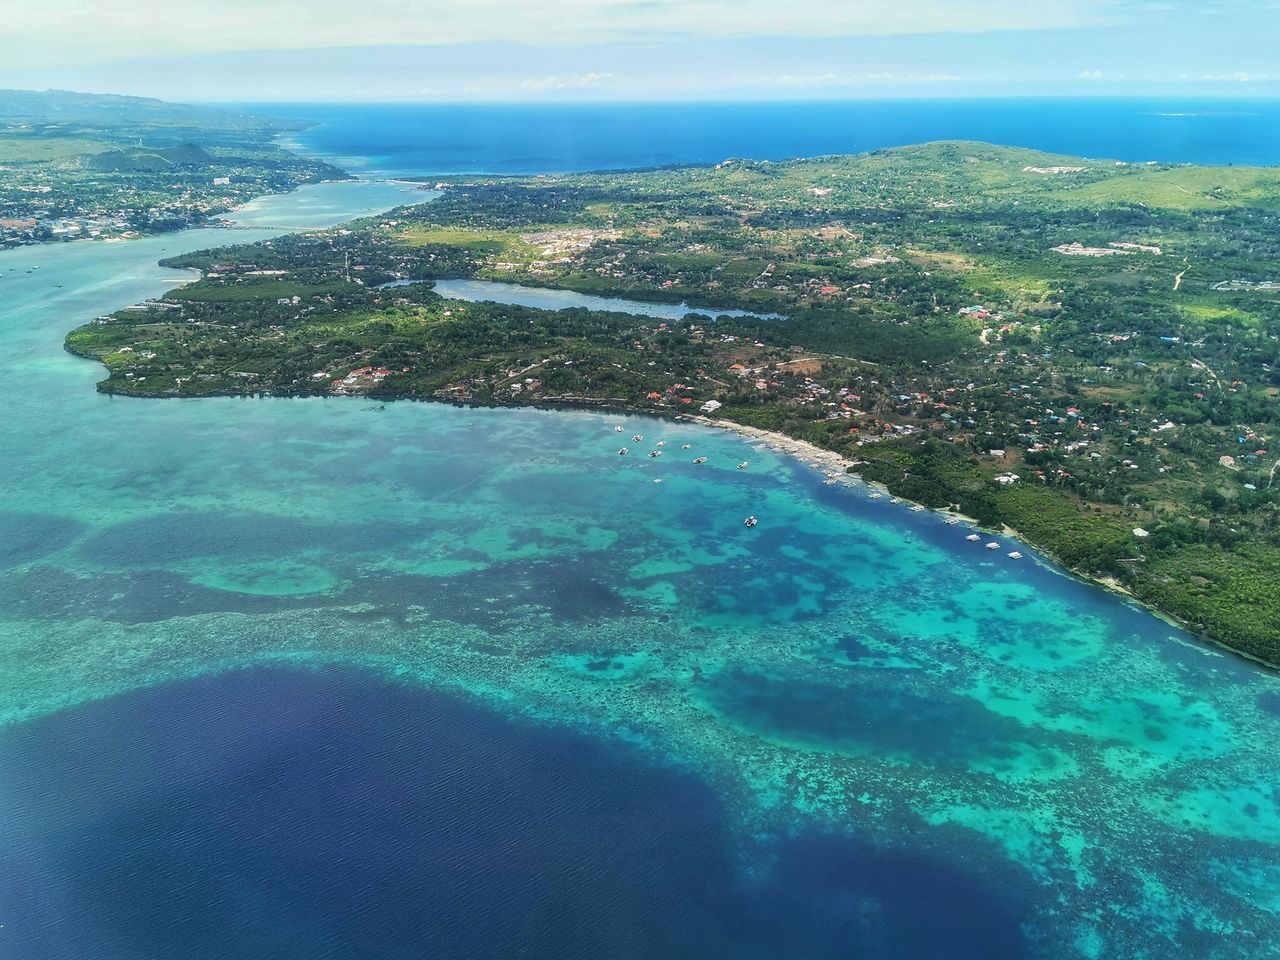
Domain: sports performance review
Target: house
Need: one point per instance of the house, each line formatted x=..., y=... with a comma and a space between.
x=711, y=406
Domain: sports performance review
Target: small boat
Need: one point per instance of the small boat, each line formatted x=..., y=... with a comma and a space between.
x=618, y=428
x=917, y=509
x=657, y=479
x=876, y=496
x=700, y=460
x=952, y=521
x=1014, y=555
x=973, y=538
x=993, y=545
x=750, y=522
x=662, y=443
x=623, y=452
x=895, y=499
x=686, y=446
x=742, y=465
x=655, y=453
x=637, y=438
x=829, y=481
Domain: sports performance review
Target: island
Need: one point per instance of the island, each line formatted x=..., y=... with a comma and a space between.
x=1082, y=351
x=87, y=166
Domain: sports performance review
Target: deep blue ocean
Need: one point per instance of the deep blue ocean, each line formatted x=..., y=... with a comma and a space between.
x=276, y=813
x=424, y=139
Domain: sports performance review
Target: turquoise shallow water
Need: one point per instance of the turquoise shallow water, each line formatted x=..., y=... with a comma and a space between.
x=847, y=666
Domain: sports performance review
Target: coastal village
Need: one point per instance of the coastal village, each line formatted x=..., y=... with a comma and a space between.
x=1041, y=371
x=84, y=177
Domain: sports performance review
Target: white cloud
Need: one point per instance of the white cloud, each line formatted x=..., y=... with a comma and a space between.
x=71, y=32
x=1091, y=74
x=583, y=81
x=810, y=81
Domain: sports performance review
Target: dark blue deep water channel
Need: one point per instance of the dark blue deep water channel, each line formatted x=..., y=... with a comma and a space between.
x=300, y=812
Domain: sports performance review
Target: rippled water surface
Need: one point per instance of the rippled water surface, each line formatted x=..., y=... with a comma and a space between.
x=328, y=678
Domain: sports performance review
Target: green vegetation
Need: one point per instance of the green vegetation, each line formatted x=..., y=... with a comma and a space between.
x=1085, y=351
x=77, y=165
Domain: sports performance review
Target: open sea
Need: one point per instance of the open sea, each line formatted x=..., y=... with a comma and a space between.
x=419, y=139
x=338, y=680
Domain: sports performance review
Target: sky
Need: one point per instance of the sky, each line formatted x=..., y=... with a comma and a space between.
x=549, y=50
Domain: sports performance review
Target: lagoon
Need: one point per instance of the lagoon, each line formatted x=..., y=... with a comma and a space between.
x=291, y=678
x=549, y=299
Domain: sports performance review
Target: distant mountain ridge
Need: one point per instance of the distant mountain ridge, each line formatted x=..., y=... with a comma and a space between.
x=67, y=105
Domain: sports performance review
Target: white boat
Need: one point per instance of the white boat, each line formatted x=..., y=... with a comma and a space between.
x=618, y=428
x=662, y=443
x=637, y=438
x=624, y=451
x=876, y=496
x=895, y=499
x=700, y=460
x=993, y=545
x=655, y=453
x=1014, y=555
x=657, y=479
x=973, y=537
x=686, y=446
x=952, y=521
x=742, y=465
x=917, y=509
x=750, y=522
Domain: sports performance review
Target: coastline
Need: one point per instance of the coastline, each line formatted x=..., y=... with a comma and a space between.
x=800, y=450
x=818, y=457
x=219, y=219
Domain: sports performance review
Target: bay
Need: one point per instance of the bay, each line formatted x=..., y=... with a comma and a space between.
x=255, y=655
